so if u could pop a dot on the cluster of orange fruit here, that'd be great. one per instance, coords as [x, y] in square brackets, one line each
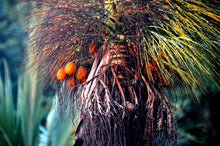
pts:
[92, 48]
[68, 72]
[156, 73]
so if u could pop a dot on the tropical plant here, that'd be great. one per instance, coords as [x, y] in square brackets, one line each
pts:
[132, 51]
[7, 111]
[57, 131]
[19, 124]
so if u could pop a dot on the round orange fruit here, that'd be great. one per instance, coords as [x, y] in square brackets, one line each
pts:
[70, 82]
[81, 73]
[70, 68]
[83, 80]
[92, 48]
[61, 74]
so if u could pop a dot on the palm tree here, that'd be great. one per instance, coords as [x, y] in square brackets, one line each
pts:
[140, 48]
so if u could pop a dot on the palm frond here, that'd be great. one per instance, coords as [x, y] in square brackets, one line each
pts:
[182, 37]
[189, 43]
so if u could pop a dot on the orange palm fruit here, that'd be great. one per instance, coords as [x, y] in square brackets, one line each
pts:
[148, 68]
[92, 48]
[81, 73]
[107, 81]
[120, 75]
[70, 68]
[70, 82]
[160, 53]
[61, 74]
[154, 63]
[83, 80]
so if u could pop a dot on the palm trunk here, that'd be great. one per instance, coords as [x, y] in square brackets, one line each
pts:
[121, 108]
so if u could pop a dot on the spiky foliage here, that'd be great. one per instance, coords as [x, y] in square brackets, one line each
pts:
[142, 47]
[57, 133]
[19, 124]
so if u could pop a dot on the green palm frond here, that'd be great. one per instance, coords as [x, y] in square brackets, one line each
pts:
[186, 40]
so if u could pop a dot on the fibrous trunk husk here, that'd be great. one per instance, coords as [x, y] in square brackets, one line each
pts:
[121, 108]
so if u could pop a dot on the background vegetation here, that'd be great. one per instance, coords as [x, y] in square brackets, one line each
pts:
[27, 116]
